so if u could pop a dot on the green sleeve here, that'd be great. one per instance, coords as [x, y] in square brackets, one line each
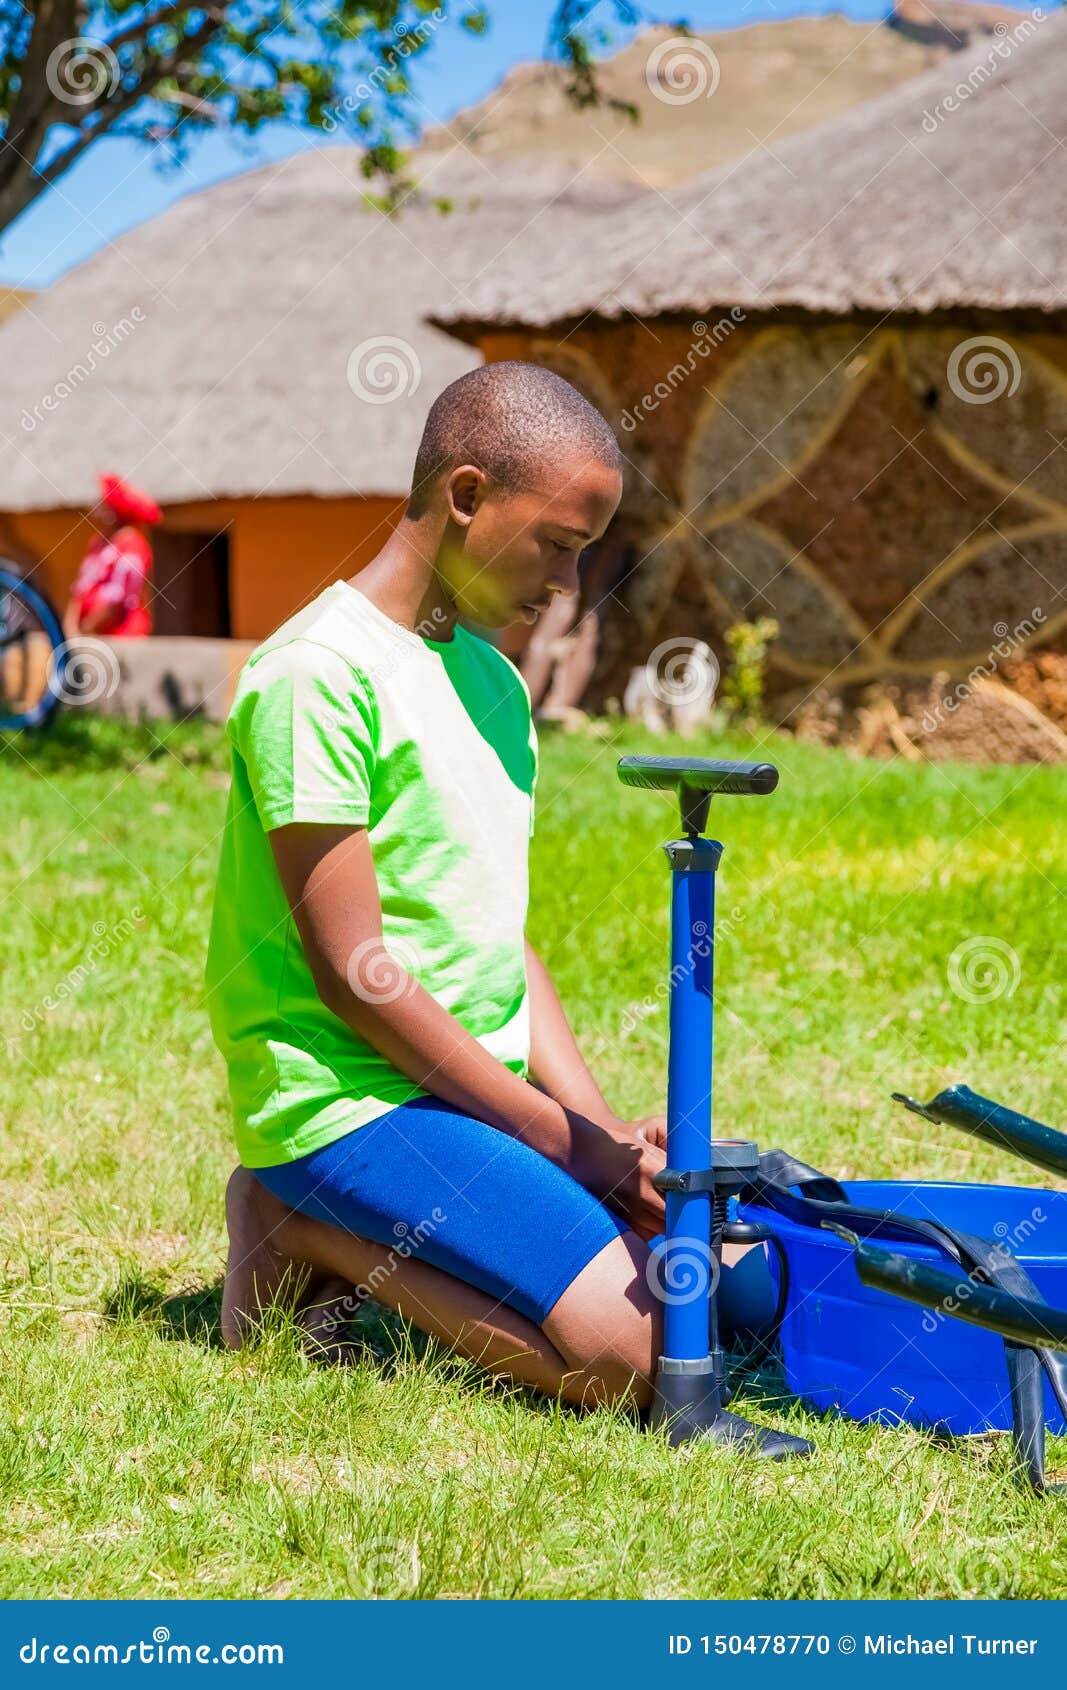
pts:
[307, 729]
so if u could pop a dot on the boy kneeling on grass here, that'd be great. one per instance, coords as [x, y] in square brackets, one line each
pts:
[412, 1110]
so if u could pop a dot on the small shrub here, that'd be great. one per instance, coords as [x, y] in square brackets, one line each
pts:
[743, 685]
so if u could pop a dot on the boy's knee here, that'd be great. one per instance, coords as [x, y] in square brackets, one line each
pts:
[615, 1375]
[610, 1329]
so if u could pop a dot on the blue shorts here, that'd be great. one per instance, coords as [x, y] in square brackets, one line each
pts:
[463, 1196]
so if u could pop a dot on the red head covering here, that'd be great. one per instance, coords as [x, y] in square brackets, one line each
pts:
[127, 502]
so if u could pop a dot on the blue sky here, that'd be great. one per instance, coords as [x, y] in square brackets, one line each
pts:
[119, 184]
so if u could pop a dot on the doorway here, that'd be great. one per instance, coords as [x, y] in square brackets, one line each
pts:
[190, 584]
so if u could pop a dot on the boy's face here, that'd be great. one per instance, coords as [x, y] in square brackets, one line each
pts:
[507, 553]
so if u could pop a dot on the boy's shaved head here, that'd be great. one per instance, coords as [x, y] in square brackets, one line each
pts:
[510, 420]
[517, 475]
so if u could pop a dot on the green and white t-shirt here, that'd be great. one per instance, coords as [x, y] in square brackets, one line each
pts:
[343, 716]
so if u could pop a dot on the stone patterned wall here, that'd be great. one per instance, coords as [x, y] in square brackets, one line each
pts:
[895, 496]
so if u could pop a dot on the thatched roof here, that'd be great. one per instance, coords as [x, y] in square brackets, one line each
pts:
[206, 354]
[946, 193]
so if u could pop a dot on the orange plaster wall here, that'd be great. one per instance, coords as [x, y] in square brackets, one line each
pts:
[497, 345]
[52, 541]
[282, 551]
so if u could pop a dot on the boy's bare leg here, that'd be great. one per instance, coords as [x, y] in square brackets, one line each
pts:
[599, 1342]
[323, 1317]
[259, 1276]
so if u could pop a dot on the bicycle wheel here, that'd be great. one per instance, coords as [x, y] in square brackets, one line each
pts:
[32, 654]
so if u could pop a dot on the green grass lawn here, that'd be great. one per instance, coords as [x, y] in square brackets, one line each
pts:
[137, 1457]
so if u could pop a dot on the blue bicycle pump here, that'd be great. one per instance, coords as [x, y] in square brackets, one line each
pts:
[697, 1184]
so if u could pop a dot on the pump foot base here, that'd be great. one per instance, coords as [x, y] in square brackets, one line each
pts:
[689, 1406]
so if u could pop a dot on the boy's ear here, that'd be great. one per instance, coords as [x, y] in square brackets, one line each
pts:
[465, 490]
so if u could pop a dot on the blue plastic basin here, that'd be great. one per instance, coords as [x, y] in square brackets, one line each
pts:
[875, 1357]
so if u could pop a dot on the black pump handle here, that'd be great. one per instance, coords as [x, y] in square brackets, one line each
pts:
[700, 774]
[697, 780]
[962, 1297]
[959, 1106]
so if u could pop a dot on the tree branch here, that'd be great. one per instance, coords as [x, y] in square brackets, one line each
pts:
[155, 68]
[54, 22]
[165, 15]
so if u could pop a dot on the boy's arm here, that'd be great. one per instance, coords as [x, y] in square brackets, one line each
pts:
[558, 1065]
[328, 876]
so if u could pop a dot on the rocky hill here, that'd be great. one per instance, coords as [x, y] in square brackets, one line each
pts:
[746, 87]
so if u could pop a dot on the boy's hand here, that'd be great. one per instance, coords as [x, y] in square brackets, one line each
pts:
[651, 1128]
[641, 1203]
[618, 1167]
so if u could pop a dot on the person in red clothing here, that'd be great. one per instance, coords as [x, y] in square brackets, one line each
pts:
[108, 594]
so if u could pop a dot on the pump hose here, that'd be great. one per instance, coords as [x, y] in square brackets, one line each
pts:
[759, 1346]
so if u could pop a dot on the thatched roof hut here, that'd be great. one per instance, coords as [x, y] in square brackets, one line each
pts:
[838, 369]
[258, 357]
[207, 352]
[944, 193]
